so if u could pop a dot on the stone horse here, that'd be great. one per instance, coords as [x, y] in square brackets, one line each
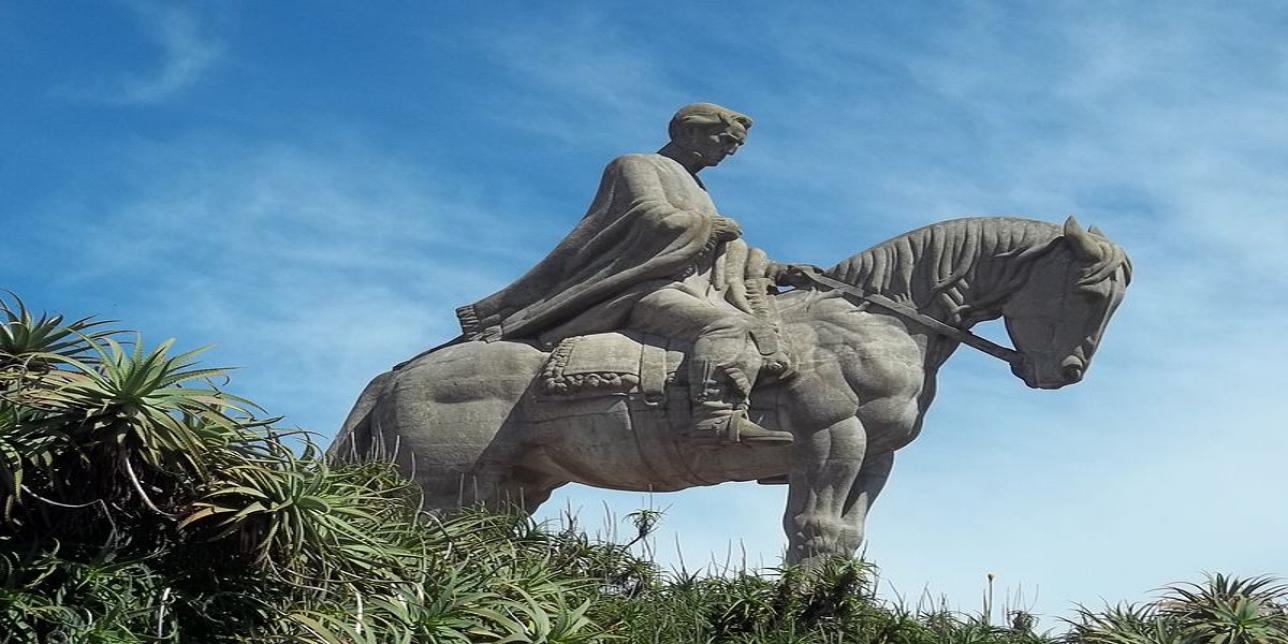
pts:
[494, 422]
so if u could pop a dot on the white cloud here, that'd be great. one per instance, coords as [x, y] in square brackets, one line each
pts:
[582, 81]
[1164, 129]
[316, 266]
[187, 51]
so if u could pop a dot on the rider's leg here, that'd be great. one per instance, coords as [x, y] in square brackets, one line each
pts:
[723, 364]
[722, 372]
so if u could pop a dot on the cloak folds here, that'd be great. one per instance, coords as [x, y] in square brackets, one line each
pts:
[649, 222]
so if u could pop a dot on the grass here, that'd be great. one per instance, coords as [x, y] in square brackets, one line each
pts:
[140, 502]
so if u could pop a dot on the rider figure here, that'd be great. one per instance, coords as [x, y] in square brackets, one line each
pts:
[652, 254]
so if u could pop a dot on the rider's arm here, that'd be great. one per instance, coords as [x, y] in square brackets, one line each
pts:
[653, 220]
[791, 274]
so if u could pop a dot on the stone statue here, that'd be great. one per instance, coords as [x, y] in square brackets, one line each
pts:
[652, 328]
[653, 255]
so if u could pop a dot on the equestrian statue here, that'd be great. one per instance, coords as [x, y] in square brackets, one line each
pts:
[654, 350]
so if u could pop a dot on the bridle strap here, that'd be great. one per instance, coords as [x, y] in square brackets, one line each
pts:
[1010, 356]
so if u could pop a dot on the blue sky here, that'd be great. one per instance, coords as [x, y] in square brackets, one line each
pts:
[312, 189]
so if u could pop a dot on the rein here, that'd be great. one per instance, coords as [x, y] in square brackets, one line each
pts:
[1010, 356]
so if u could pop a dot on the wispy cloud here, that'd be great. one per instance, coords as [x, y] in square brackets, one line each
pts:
[585, 80]
[330, 261]
[319, 263]
[1163, 129]
[187, 50]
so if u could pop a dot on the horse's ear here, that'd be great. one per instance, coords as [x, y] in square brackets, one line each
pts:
[1082, 244]
[1095, 230]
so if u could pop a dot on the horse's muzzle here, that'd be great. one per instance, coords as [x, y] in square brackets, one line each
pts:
[1071, 371]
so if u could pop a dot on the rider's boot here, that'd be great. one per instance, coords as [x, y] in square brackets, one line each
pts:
[728, 425]
[717, 418]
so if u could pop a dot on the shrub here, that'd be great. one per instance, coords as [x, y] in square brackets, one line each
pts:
[140, 502]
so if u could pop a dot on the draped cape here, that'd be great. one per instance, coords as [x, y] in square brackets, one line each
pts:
[650, 222]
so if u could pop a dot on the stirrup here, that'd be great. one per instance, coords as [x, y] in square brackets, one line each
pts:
[737, 428]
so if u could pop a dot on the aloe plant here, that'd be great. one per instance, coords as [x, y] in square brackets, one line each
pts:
[140, 502]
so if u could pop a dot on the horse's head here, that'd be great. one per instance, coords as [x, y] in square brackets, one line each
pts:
[1056, 319]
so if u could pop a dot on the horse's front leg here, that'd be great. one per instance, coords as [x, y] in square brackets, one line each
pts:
[871, 480]
[825, 466]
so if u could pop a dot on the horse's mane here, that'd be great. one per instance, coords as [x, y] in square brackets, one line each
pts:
[935, 265]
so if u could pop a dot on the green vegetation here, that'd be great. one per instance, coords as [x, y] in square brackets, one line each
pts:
[141, 503]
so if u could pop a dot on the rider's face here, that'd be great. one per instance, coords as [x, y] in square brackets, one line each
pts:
[715, 145]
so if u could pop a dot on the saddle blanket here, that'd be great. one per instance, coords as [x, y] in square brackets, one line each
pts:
[611, 363]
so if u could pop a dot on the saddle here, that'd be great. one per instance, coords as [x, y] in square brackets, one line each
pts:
[606, 364]
[640, 375]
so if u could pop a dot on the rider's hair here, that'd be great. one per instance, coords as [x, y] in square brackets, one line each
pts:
[705, 115]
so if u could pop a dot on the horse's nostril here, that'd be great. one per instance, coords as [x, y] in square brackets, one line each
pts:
[1072, 373]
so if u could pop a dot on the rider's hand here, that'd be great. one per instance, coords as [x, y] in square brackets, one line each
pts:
[726, 229]
[794, 275]
[780, 366]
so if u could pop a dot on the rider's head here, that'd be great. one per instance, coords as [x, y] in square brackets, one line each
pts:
[707, 133]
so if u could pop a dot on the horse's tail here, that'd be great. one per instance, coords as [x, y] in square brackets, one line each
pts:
[355, 441]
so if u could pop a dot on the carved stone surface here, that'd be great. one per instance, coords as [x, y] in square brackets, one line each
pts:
[694, 369]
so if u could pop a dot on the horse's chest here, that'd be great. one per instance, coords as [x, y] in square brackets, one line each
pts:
[864, 366]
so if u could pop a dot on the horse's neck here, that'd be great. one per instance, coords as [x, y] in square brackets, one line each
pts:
[960, 275]
[961, 304]
[959, 278]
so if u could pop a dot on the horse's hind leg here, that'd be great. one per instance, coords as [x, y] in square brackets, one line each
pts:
[502, 490]
[518, 491]
[500, 487]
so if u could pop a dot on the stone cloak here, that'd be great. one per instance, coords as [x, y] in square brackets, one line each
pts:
[650, 222]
